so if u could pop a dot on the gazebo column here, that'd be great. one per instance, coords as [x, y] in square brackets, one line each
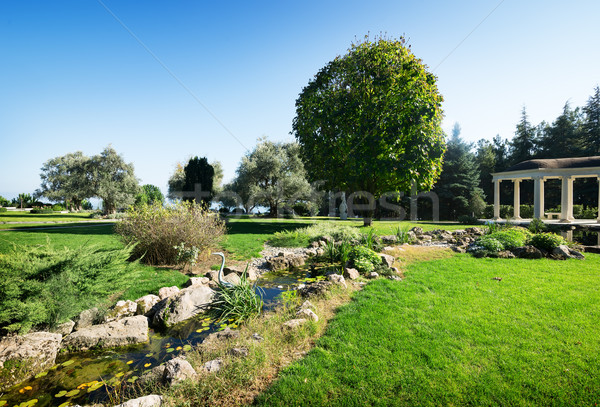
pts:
[517, 199]
[538, 197]
[566, 200]
[497, 199]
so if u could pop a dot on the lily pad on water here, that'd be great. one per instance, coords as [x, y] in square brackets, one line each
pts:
[132, 379]
[29, 403]
[95, 387]
[2, 402]
[73, 392]
[119, 374]
[61, 393]
[201, 330]
[149, 354]
[170, 350]
[178, 348]
[129, 362]
[187, 348]
[67, 363]
[65, 404]
[148, 364]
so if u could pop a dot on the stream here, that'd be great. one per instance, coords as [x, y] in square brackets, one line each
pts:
[95, 377]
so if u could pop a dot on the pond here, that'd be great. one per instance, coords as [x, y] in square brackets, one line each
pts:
[95, 377]
[584, 236]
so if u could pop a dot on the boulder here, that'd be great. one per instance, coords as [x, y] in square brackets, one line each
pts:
[166, 292]
[389, 239]
[185, 304]
[146, 304]
[351, 273]
[196, 281]
[277, 263]
[152, 400]
[212, 366]
[387, 259]
[294, 324]
[126, 331]
[223, 335]
[307, 314]
[296, 260]
[373, 274]
[65, 328]
[86, 318]
[27, 355]
[459, 249]
[239, 352]
[475, 231]
[417, 230]
[505, 254]
[314, 289]
[178, 370]
[564, 252]
[286, 261]
[250, 272]
[307, 305]
[121, 310]
[232, 278]
[337, 279]
[528, 252]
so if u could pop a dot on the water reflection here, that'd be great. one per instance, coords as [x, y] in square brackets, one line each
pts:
[585, 237]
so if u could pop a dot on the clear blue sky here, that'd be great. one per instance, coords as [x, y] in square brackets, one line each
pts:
[73, 78]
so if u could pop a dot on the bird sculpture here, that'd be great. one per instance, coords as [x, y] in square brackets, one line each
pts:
[220, 275]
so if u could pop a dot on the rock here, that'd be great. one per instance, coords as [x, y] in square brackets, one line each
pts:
[395, 270]
[296, 261]
[307, 314]
[387, 259]
[412, 236]
[285, 261]
[417, 230]
[239, 352]
[293, 324]
[307, 305]
[212, 366]
[250, 272]
[257, 337]
[86, 318]
[389, 239]
[277, 263]
[35, 351]
[505, 254]
[183, 305]
[232, 278]
[352, 274]
[459, 232]
[196, 281]
[373, 274]
[564, 252]
[528, 252]
[166, 292]
[146, 304]
[65, 328]
[314, 289]
[152, 400]
[576, 254]
[337, 279]
[459, 249]
[153, 377]
[223, 335]
[395, 278]
[126, 331]
[178, 370]
[475, 231]
[121, 310]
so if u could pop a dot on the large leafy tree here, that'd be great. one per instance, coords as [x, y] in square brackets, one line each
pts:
[272, 175]
[66, 178]
[149, 194]
[458, 186]
[113, 180]
[370, 121]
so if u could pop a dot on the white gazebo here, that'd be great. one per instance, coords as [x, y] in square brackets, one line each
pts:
[565, 169]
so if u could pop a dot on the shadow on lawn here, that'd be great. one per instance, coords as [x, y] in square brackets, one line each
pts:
[257, 227]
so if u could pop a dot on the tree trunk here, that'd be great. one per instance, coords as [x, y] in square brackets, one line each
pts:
[367, 221]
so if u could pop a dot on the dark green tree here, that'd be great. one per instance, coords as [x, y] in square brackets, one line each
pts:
[458, 186]
[198, 180]
[523, 144]
[564, 137]
[485, 157]
[591, 124]
[370, 121]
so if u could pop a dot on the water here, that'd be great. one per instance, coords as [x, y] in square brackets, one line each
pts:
[92, 377]
[585, 237]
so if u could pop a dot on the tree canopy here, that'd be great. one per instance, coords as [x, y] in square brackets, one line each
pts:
[67, 179]
[370, 121]
[149, 195]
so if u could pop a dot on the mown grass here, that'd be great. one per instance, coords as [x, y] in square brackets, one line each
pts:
[20, 216]
[451, 334]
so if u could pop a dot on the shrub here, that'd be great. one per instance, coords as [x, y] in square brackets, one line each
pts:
[237, 303]
[468, 220]
[512, 237]
[58, 207]
[536, 226]
[332, 230]
[369, 239]
[3, 209]
[364, 259]
[489, 244]
[158, 230]
[546, 241]
[41, 210]
[290, 238]
[42, 286]
[403, 235]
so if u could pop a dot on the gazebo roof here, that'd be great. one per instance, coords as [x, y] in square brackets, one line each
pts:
[556, 163]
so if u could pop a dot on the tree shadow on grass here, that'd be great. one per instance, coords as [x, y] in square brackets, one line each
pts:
[257, 227]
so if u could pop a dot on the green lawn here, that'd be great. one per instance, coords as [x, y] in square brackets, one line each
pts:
[43, 217]
[449, 334]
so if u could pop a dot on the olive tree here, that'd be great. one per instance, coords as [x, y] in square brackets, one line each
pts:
[370, 121]
[66, 178]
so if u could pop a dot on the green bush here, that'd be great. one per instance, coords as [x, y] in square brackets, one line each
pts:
[536, 226]
[41, 210]
[3, 209]
[289, 238]
[332, 230]
[157, 231]
[547, 241]
[511, 237]
[489, 243]
[58, 207]
[41, 286]
[468, 220]
[364, 259]
[237, 303]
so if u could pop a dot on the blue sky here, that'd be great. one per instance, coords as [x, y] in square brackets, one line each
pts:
[73, 77]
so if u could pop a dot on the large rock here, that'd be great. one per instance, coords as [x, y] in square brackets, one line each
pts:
[126, 331]
[87, 318]
[528, 252]
[152, 400]
[337, 279]
[232, 278]
[212, 366]
[564, 252]
[145, 304]
[251, 273]
[196, 281]
[315, 289]
[178, 370]
[65, 328]
[286, 261]
[351, 273]
[166, 292]
[387, 260]
[121, 310]
[307, 314]
[389, 239]
[185, 304]
[28, 355]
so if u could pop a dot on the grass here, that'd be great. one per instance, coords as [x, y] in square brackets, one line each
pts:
[43, 217]
[450, 334]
